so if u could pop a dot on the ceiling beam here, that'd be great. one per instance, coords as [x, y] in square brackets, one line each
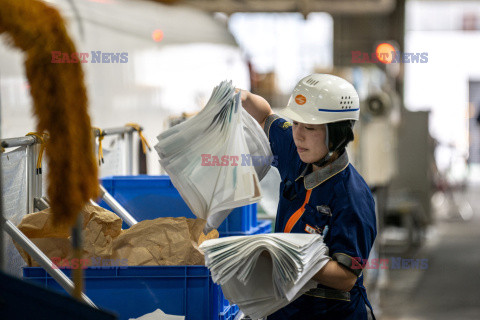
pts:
[350, 7]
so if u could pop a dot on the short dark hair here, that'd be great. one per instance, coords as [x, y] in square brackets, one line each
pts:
[339, 135]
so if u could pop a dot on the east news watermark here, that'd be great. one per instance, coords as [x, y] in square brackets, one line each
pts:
[386, 53]
[95, 262]
[209, 160]
[391, 263]
[392, 57]
[89, 57]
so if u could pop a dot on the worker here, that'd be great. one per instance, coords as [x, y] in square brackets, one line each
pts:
[321, 192]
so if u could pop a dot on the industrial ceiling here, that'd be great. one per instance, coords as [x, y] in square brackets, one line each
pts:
[351, 7]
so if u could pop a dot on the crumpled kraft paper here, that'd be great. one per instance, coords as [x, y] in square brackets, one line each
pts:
[100, 228]
[162, 241]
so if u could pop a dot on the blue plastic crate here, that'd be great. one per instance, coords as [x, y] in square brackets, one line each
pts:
[264, 226]
[150, 197]
[23, 300]
[134, 291]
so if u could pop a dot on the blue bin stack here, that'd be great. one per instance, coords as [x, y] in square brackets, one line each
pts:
[149, 197]
[181, 290]
[131, 292]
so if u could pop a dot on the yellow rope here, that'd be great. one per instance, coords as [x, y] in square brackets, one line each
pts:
[140, 134]
[101, 135]
[41, 139]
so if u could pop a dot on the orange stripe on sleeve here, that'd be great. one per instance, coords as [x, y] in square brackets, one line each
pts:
[298, 214]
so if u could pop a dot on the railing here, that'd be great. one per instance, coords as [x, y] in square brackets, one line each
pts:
[35, 201]
[34, 181]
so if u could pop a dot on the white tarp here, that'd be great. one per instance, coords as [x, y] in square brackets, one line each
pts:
[113, 156]
[14, 195]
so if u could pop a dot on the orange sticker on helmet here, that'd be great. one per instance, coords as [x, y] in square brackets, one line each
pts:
[299, 99]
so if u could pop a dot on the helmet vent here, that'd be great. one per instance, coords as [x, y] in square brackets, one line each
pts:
[312, 82]
[346, 102]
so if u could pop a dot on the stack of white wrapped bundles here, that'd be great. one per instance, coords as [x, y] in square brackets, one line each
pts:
[263, 273]
[217, 158]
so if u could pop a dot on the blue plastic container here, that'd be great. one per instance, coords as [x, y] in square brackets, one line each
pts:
[150, 197]
[264, 226]
[134, 291]
[23, 300]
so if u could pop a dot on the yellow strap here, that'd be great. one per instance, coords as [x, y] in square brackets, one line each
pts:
[140, 134]
[101, 135]
[41, 138]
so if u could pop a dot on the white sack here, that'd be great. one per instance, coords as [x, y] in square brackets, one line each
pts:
[222, 129]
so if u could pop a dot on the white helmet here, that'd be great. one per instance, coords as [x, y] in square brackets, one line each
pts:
[322, 98]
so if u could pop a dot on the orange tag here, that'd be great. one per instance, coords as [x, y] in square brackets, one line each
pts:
[299, 99]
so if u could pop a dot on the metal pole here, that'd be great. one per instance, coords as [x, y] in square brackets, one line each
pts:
[2, 251]
[18, 142]
[31, 166]
[41, 203]
[77, 254]
[129, 151]
[119, 130]
[42, 260]
[2, 222]
[113, 131]
[117, 207]
[128, 132]
[29, 140]
[37, 177]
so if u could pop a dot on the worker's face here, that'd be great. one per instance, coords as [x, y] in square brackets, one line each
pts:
[310, 141]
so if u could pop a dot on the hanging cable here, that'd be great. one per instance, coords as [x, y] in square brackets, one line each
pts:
[142, 137]
[101, 135]
[41, 139]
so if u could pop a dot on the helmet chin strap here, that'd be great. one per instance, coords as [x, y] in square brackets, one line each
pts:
[328, 156]
[324, 160]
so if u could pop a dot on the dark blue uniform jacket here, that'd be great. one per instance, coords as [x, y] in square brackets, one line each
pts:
[334, 201]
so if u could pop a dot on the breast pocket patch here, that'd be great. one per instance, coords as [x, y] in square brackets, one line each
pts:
[310, 229]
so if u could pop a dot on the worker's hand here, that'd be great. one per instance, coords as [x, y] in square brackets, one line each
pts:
[243, 94]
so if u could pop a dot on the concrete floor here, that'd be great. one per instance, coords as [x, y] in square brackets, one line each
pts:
[448, 288]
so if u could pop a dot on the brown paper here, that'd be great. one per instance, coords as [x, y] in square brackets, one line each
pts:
[211, 235]
[52, 247]
[162, 241]
[100, 228]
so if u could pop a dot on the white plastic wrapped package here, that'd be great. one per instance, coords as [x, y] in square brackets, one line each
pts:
[262, 284]
[217, 158]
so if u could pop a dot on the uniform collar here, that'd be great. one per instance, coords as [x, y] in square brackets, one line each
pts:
[316, 178]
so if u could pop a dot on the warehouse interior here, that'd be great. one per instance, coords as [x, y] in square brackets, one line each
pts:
[127, 74]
